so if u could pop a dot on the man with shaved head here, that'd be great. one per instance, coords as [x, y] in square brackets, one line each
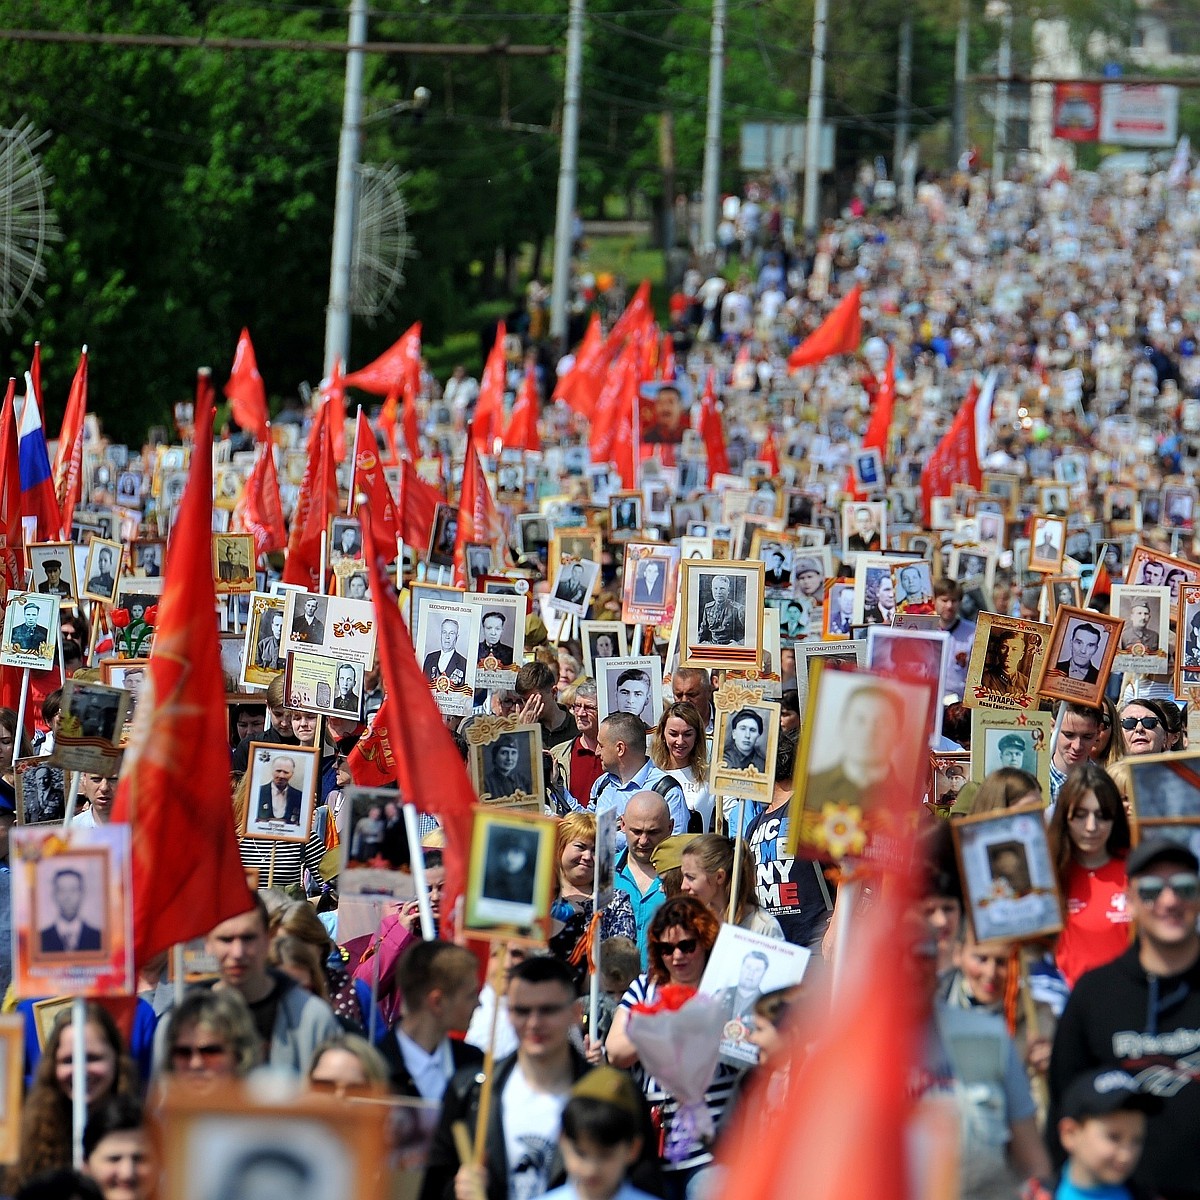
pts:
[647, 823]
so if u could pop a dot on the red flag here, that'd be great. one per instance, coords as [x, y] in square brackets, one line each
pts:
[625, 453]
[878, 427]
[397, 369]
[428, 767]
[522, 431]
[368, 479]
[954, 459]
[478, 520]
[580, 387]
[666, 359]
[839, 333]
[260, 508]
[12, 572]
[412, 433]
[712, 430]
[387, 422]
[489, 408]
[636, 317]
[317, 503]
[417, 508]
[371, 762]
[623, 377]
[246, 391]
[768, 453]
[35, 373]
[174, 787]
[335, 392]
[68, 458]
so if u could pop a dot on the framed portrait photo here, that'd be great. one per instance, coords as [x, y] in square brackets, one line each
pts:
[651, 584]
[447, 641]
[442, 536]
[722, 614]
[838, 617]
[321, 683]
[1046, 540]
[72, 910]
[745, 739]
[233, 562]
[630, 685]
[373, 836]
[282, 796]
[602, 639]
[345, 540]
[1011, 739]
[512, 867]
[53, 567]
[834, 814]
[1006, 661]
[102, 570]
[1187, 643]
[1145, 633]
[1059, 590]
[505, 761]
[1008, 877]
[838, 656]
[912, 586]
[510, 479]
[1164, 791]
[128, 674]
[478, 557]
[864, 527]
[576, 541]
[226, 1142]
[1151, 568]
[91, 718]
[1079, 658]
[572, 586]
[533, 535]
[948, 774]
[624, 515]
[265, 651]
[41, 791]
[30, 636]
[501, 648]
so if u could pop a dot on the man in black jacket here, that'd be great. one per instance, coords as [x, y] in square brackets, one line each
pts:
[440, 985]
[1141, 1013]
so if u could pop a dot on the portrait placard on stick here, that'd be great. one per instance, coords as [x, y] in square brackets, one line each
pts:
[505, 761]
[1006, 660]
[282, 792]
[30, 631]
[89, 729]
[72, 911]
[745, 740]
[1082, 647]
[1011, 739]
[512, 868]
[1145, 634]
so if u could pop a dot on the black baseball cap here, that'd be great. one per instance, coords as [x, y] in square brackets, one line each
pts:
[1155, 850]
[1106, 1090]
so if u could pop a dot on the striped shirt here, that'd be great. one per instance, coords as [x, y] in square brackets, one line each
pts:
[290, 859]
[717, 1097]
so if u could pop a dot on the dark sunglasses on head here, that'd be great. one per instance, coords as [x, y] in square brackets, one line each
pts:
[1144, 722]
[685, 946]
[1185, 885]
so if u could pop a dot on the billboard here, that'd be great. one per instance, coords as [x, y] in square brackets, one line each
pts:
[1077, 112]
[1139, 115]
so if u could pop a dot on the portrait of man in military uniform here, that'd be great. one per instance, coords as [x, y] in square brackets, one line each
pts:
[723, 611]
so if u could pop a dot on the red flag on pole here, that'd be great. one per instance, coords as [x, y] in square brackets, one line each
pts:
[625, 453]
[417, 509]
[387, 422]
[489, 408]
[260, 508]
[636, 317]
[246, 392]
[428, 767]
[335, 392]
[174, 788]
[317, 503]
[768, 452]
[12, 574]
[623, 375]
[478, 520]
[397, 369]
[522, 431]
[839, 333]
[35, 373]
[712, 430]
[412, 432]
[954, 459]
[666, 359]
[68, 458]
[878, 427]
[580, 387]
[371, 762]
[368, 479]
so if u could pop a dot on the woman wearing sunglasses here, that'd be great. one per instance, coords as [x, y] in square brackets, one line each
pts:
[681, 938]
[1143, 728]
[1089, 837]
[211, 1037]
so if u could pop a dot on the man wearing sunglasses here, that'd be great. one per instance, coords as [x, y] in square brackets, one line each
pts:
[1141, 1013]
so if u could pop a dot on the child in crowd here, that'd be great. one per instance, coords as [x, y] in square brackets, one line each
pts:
[1102, 1128]
[601, 1138]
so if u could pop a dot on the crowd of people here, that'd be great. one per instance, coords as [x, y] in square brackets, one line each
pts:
[1069, 1058]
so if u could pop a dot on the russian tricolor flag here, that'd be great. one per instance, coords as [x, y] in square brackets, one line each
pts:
[39, 505]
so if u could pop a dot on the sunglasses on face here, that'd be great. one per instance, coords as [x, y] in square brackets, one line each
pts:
[685, 947]
[185, 1054]
[1144, 722]
[1185, 885]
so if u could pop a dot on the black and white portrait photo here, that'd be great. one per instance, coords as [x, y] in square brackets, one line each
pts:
[509, 866]
[443, 536]
[91, 710]
[279, 803]
[506, 766]
[629, 685]
[571, 589]
[53, 569]
[103, 570]
[41, 792]
[345, 539]
[233, 562]
[308, 620]
[479, 560]
[447, 639]
[69, 905]
[30, 630]
[624, 514]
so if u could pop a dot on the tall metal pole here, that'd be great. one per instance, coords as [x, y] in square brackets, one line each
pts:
[816, 114]
[961, 46]
[711, 184]
[337, 314]
[1004, 70]
[903, 92]
[567, 161]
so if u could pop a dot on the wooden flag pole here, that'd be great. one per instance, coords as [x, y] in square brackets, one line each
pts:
[734, 889]
[489, 1072]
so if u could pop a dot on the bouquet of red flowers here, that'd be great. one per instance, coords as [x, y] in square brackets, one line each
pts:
[678, 1039]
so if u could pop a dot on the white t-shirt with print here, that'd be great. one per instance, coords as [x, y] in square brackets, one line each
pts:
[531, 1127]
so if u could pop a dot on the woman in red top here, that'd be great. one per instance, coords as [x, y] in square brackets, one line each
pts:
[1089, 837]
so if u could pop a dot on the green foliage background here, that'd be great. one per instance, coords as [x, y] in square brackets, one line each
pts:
[195, 188]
